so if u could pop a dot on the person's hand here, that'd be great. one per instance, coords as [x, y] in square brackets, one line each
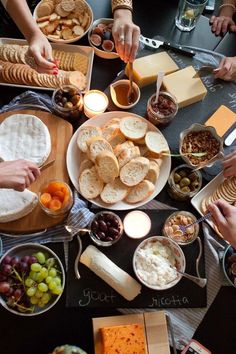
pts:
[41, 50]
[229, 165]
[222, 24]
[224, 216]
[18, 174]
[126, 35]
[227, 69]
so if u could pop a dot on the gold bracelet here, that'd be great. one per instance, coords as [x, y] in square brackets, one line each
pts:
[121, 4]
[228, 5]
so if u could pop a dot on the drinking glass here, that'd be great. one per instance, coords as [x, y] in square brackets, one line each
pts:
[188, 13]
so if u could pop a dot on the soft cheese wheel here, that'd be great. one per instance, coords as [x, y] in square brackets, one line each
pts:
[108, 271]
[133, 128]
[85, 134]
[114, 192]
[134, 171]
[90, 184]
[14, 205]
[24, 136]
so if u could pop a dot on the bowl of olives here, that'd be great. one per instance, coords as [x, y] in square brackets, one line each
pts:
[106, 228]
[184, 182]
[67, 102]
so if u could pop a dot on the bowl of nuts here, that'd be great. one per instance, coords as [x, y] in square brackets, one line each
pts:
[200, 146]
[106, 228]
[172, 229]
[67, 102]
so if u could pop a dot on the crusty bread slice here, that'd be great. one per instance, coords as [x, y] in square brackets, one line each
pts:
[96, 145]
[126, 145]
[107, 166]
[110, 127]
[153, 172]
[140, 141]
[133, 128]
[128, 154]
[143, 150]
[140, 192]
[116, 138]
[90, 184]
[85, 164]
[85, 134]
[134, 171]
[156, 143]
[114, 192]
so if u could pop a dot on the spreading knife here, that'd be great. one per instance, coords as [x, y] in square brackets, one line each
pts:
[46, 165]
[204, 71]
[154, 43]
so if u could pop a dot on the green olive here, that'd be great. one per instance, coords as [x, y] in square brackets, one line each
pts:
[177, 177]
[184, 182]
[195, 184]
[75, 99]
[68, 105]
[185, 189]
[182, 173]
[177, 186]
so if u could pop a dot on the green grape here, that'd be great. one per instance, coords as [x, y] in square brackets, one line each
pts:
[35, 267]
[38, 294]
[48, 279]
[40, 303]
[52, 272]
[52, 285]
[50, 262]
[34, 300]
[57, 280]
[43, 287]
[39, 277]
[29, 282]
[33, 275]
[40, 257]
[57, 290]
[31, 291]
[44, 272]
[46, 298]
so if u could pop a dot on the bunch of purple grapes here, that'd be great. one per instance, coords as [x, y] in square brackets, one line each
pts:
[13, 271]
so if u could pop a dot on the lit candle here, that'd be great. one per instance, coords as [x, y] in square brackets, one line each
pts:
[137, 224]
[95, 102]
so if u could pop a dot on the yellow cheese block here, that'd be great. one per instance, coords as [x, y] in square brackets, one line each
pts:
[145, 69]
[184, 87]
[222, 120]
[126, 339]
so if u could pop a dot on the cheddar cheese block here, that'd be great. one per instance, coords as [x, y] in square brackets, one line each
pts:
[145, 69]
[221, 120]
[184, 87]
[126, 339]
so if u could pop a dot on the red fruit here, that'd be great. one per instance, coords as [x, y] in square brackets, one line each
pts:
[98, 31]
[96, 40]
[107, 45]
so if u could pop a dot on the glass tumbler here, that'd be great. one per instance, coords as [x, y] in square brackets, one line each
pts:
[188, 13]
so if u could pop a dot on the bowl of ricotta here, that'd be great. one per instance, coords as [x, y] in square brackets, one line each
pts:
[156, 261]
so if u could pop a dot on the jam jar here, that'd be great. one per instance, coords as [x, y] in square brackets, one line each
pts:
[67, 102]
[164, 110]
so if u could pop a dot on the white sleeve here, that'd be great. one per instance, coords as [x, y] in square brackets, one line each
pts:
[4, 2]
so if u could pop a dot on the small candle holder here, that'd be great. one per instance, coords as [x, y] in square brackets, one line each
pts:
[137, 224]
[95, 103]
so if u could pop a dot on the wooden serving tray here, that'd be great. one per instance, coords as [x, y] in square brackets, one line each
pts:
[60, 132]
[155, 327]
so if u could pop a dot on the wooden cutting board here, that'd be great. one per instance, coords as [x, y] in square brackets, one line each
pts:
[60, 132]
[155, 328]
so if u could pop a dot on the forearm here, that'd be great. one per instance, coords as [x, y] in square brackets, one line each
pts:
[227, 8]
[122, 13]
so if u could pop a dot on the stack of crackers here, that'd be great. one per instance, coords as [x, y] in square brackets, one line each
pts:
[63, 20]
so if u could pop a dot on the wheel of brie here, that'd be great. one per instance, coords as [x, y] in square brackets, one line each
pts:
[24, 136]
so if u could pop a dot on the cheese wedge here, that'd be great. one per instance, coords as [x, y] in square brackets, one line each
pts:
[108, 271]
[221, 120]
[184, 87]
[126, 339]
[24, 136]
[14, 205]
[145, 69]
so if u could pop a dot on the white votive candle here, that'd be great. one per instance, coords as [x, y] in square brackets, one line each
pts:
[137, 224]
[95, 102]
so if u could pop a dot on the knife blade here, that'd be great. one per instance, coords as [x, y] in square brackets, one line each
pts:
[46, 165]
[155, 44]
[230, 138]
[204, 71]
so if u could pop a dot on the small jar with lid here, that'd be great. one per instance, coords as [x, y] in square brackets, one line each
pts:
[184, 182]
[67, 102]
[164, 110]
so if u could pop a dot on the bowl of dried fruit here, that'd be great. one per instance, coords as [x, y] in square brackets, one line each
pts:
[64, 21]
[32, 279]
[101, 39]
[200, 146]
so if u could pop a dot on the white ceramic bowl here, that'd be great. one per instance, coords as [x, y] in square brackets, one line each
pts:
[100, 52]
[75, 39]
[176, 251]
[127, 83]
[28, 249]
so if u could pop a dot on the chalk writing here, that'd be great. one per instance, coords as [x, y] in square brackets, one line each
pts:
[178, 60]
[172, 301]
[232, 101]
[90, 295]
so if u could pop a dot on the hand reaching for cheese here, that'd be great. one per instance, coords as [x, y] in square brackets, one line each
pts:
[18, 174]
[227, 69]
[229, 165]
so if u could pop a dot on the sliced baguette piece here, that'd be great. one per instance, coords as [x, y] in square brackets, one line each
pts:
[107, 166]
[143, 150]
[85, 134]
[128, 154]
[120, 147]
[96, 145]
[114, 192]
[153, 172]
[90, 184]
[133, 128]
[110, 127]
[116, 138]
[134, 171]
[156, 144]
[140, 192]
[85, 164]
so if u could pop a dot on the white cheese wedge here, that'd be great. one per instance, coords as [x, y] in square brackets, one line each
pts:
[14, 205]
[24, 136]
[108, 271]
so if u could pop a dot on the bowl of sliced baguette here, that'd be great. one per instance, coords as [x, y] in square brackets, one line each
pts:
[115, 160]
[64, 21]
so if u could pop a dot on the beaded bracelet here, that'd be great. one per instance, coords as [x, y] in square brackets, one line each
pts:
[121, 4]
[228, 5]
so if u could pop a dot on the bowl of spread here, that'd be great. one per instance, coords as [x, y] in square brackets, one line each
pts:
[119, 94]
[162, 111]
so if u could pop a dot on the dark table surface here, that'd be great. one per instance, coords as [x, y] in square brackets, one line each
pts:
[40, 334]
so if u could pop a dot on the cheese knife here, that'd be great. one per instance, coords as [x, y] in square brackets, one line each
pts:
[230, 138]
[205, 70]
[46, 165]
[154, 43]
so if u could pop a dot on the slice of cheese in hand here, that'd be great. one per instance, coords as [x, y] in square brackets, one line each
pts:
[14, 205]
[145, 69]
[108, 271]
[184, 87]
[24, 136]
